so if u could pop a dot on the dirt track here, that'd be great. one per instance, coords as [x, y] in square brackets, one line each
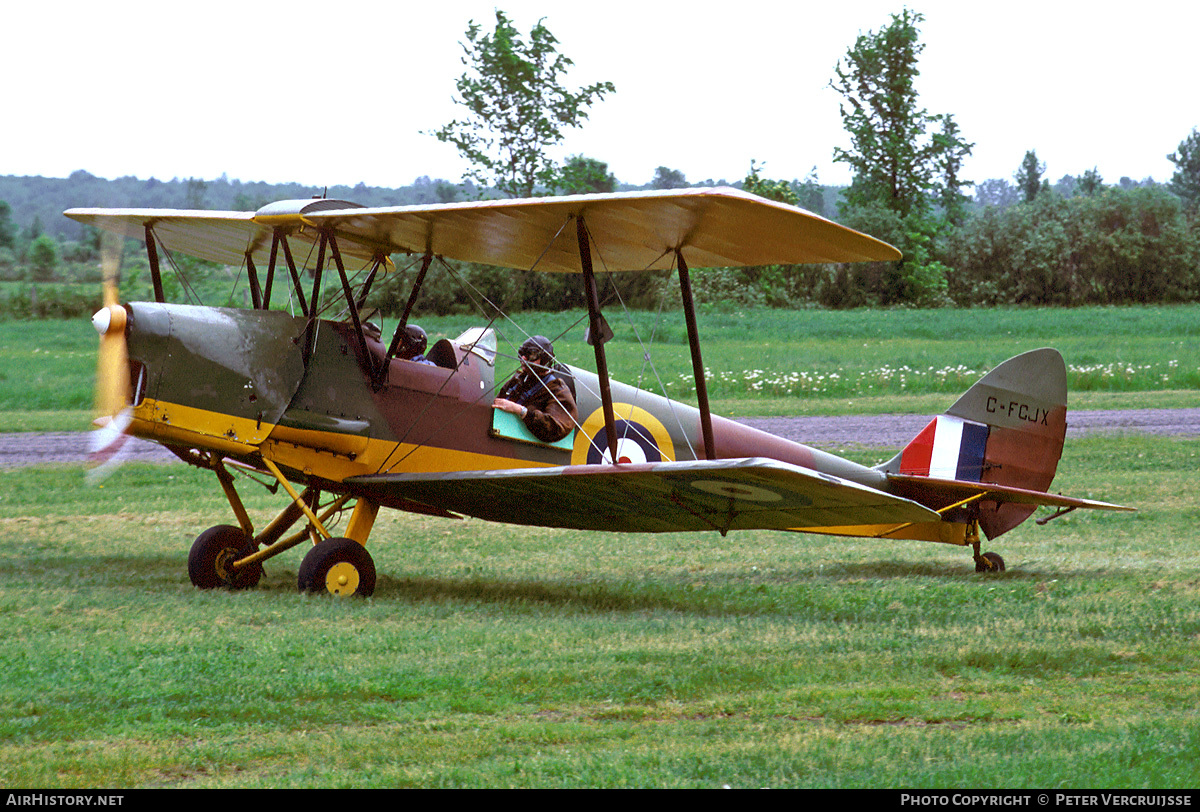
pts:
[893, 431]
[884, 431]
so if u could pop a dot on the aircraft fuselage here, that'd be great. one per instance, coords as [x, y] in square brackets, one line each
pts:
[239, 383]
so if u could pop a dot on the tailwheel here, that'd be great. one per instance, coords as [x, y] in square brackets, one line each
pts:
[338, 566]
[210, 562]
[989, 562]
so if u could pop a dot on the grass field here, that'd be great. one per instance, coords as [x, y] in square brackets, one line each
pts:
[493, 656]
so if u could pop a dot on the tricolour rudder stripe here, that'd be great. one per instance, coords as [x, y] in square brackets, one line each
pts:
[948, 448]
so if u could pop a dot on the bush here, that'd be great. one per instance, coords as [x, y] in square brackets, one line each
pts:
[1120, 246]
[49, 302]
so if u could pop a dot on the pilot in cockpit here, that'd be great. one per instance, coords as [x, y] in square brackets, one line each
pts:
[538, 395]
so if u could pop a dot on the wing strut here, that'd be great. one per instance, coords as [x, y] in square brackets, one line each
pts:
[689, 313]
[596, 336]
[310, 332]
[402, 326]
[271, 270]
[252, 275]
[291, 263]
[376, 264]
[352, 306]
[152, 255]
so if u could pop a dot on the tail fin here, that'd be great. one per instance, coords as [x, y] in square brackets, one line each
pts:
[1007, 429]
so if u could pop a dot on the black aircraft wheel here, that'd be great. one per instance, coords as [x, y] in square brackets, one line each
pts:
[989, 562]
[338, 566]
[214, 551]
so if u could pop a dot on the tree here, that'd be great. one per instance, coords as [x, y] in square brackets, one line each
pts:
[810, 194]
[1186, 180]
[666, 178]
[196, 190]
[517, 106]
[807, 194]
[1029, 176]
[779, 190]
[996, 192]
[948, 153]
[899, 170]
[1091, 183]
[1123, 246]
[581, 176]
[43, 258]
[892, 160]
[8, 232]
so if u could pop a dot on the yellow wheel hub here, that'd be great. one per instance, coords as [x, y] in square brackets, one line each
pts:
[342, 579]
[221, 565]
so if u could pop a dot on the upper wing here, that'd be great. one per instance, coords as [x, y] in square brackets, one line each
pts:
[731, 494]
[221, 236]
[633, 231]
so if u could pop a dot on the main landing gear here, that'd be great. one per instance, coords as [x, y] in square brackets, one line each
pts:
[231, 556]
[987, 562]
[210, 563]
[338, 566]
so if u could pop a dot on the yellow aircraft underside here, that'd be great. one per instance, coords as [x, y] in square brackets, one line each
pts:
[941, 532]
[329, 455]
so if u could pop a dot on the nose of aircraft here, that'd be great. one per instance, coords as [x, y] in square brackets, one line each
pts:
[111, 318]
[112, 368]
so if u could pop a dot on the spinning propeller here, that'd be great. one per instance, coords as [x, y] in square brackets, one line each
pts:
[112, 370]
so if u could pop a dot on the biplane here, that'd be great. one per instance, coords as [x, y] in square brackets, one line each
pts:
[315, 399]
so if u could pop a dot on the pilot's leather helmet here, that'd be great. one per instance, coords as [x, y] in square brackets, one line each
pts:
[538, 348]
[415, 340]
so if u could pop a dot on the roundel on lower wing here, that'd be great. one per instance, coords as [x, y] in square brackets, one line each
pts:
[640, 438]
[736, 490]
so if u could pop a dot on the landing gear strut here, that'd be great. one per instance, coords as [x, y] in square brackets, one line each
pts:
[987, 562]
[231, 556]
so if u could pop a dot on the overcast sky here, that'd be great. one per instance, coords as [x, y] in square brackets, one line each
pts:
[328, 93]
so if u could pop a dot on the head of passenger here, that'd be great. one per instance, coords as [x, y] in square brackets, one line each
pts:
[415, 341]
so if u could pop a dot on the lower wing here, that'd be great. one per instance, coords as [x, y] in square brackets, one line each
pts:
[722, 495]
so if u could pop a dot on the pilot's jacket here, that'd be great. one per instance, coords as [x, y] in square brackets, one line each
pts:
[551, 408]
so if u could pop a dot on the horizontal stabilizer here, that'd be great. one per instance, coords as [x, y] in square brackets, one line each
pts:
[722, 495]
[952, 491]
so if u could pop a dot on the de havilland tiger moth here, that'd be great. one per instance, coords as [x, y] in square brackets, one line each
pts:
[345, 418]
